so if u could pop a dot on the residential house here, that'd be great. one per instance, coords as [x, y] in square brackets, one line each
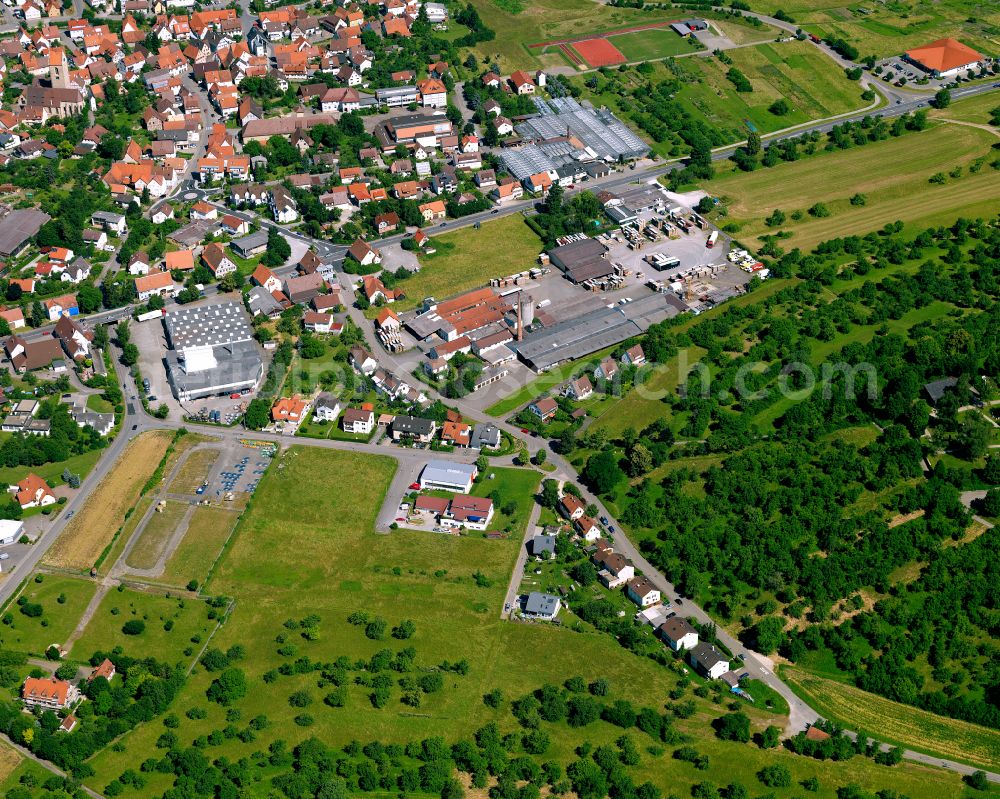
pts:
[283, 205]
[74, 339]
[362, 252]
[458, 434]
[262, 276]
[571, 506]
[290, 409]
[642, 591]
[614, 569]
[316, 322]
[579, 388]
[485, 436]
[413, 428]
[215, 258]
[433, 211]
[138, 264]
[160, 284]
[358, 420]
[543, 546]
[544, 408]
[522, 82]
[634, 356]
[474, 513]
[33, 492]
[677, 633]
[326, 408]
[587, 528]
[606, 369]
[708, 661]
[302, 288]
[49, 693]
[362, 360]
[541, 606]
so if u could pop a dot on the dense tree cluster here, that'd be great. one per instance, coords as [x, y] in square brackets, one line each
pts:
[141, 691]
[779, 495]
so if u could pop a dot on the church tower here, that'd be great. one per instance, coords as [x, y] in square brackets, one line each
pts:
[58, 69]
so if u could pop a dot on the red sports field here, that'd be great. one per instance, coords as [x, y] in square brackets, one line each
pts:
[594, 49]
[599, 52]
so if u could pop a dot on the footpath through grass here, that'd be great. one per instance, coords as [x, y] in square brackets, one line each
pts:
[897, 723]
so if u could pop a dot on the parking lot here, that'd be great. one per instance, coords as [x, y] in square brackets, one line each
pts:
[238, 469]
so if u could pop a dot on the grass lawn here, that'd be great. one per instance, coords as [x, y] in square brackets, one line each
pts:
[10, 762]
[544, 20]
[889, 29]
[467, 259]
[544, 382]
[290, 559]
[972, 109]
[202, 543]
[871, 170]
[187, 619]
[34, 635]
[651, 44]
[93, 528]
[97, 403]
[14, 768]
[644, 403]
[153, 539]
[51, 473]
[517, 486]
[796, 71]
[897, 723]
[311, 429]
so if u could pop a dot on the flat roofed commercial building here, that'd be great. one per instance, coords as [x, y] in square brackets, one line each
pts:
[213, 351]
[18, 227]
[589, 332]
[448, 476]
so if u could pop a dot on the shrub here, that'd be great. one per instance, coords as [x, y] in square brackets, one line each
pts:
[134, 627]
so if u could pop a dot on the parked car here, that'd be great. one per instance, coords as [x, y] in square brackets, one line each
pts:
[414, 486]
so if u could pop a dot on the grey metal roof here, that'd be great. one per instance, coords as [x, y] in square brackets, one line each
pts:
[485, 435]
[252, 241]
[542, 544]
[19, 226]
[239, 366]
[446, 472]
[587, 333]
[261, 301]
[208, 326]
[539, 604]
[600, 130]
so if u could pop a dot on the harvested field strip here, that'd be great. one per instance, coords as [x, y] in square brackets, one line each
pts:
[123, 538]
[897, 723]
[9, 760]
[93, 528]
[153, 539]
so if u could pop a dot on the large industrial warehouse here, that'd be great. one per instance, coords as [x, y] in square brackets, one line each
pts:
[213, 351]
[603, 327]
